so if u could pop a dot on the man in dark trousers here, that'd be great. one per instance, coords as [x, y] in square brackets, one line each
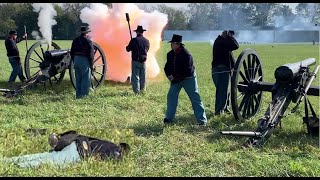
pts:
[14, 57]
[222, 65]
[82, 53]
[180, 70]
[139, 48]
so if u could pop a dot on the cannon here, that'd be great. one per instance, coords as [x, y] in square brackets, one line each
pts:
[49, 63]
[292, 85]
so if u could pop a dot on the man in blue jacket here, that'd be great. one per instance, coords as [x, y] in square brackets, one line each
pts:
[222, 65]
[139, 47]
[14, 57]
[180, 71]
[82, 53]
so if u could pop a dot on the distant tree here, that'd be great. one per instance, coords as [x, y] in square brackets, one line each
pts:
[202, 16]
[62, 29]
[5, 26]
[309, 12]
[71, 15]
[235, 16]
[108, 4]
[177, 19]
[261, 13]
[282, 12]
[6, 21]
[146, 7]
[25, 16]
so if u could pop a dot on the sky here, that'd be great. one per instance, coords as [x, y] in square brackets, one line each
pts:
[184, 5]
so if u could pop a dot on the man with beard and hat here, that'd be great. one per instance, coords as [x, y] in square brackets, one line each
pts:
[14, 57]
[180, 70]
[139, 47]
[82, 53]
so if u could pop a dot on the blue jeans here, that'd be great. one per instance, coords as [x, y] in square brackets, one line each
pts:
[138, 76]
[190, 85]
[68, 154]
[16, 70]
[83, 76]
[221, 79]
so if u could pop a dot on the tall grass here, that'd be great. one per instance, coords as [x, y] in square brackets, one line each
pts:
[113, 112]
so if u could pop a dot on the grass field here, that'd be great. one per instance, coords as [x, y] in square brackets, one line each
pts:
[113, 112]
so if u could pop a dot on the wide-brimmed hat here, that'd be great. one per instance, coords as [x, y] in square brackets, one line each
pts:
[13, 33]
[139, 29]
[176, 39]
[84, 29]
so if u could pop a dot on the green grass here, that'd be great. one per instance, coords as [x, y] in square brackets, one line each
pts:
[113, 112]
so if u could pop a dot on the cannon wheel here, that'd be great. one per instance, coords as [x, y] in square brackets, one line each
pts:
[35, 56]
[245, 95]
[100, 67]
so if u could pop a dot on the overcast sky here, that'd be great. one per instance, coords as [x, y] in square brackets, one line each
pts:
[184, 5]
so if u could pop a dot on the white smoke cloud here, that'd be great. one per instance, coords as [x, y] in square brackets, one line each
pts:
[45, 20]
[35, 34]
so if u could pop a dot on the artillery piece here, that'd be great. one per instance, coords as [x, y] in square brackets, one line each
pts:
[44, 63]
[293, 84]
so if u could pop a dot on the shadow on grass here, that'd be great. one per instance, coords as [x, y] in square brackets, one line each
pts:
[148, 130]
[120, 93]
[115, 83]
[54, 93]
[5, 84]
[47, 92]
[220, 123]
[287, 138]
[280, 138]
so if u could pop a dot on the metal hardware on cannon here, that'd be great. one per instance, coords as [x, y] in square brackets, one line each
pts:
[293, 84]
[43, 65]
[55, 62]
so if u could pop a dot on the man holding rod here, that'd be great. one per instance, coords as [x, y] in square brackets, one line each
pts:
[139, 47]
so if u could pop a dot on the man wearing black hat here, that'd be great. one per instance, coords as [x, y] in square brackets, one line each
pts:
[14, 57]
[180, 70]
[82, 53]
[222, 64]
[139, 47]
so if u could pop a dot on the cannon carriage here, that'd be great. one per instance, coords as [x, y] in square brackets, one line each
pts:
[293, 85]
[49, 63]
[59, 61]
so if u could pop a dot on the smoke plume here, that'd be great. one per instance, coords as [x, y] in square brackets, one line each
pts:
[109, 28]
[45, 20]
[285, 28]
[35, 34]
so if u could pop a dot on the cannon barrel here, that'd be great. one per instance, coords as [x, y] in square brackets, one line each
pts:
[55, 55]
[287, 72]
[57, 52]
[242, 133]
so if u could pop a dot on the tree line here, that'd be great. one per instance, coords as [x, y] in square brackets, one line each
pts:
[197, 16]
